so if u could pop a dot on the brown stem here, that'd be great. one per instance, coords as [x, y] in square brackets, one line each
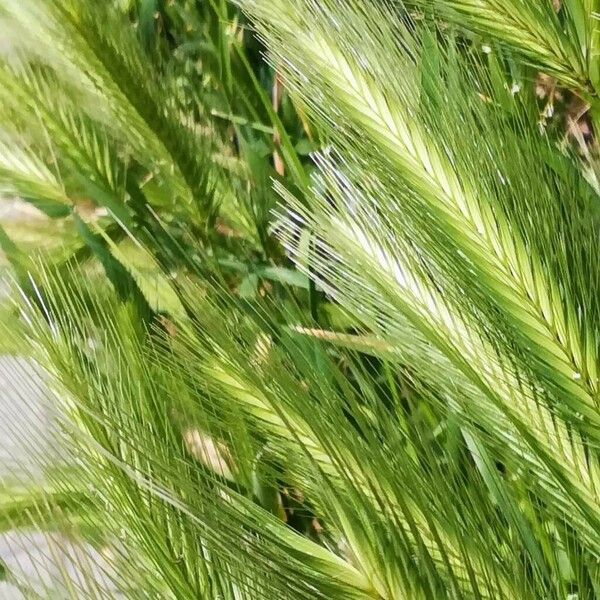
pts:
[276, 97]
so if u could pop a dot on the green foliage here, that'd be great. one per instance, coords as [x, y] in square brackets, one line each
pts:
[331, 328]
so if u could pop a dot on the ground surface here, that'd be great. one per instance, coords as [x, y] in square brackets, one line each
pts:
[26, 447]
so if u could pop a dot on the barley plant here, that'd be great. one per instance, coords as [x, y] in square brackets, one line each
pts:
[315, 311]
